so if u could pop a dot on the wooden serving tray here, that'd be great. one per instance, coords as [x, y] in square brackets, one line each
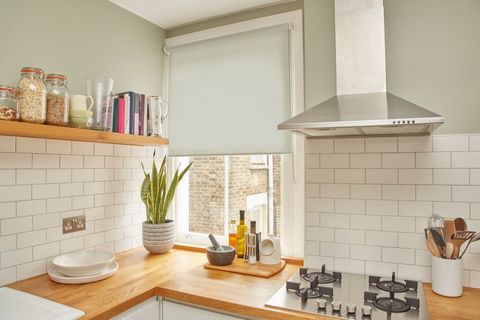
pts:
[257, 270]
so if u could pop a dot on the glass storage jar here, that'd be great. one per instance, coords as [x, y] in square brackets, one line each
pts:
[58, 100]
[32, 95]
[8, 103]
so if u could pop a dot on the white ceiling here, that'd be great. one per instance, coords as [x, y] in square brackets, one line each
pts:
[170, 13]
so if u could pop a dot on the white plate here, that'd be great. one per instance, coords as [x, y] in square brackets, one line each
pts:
[56, 276]
[83, 263]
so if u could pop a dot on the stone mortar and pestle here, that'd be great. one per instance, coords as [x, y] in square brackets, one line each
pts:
[219, 255]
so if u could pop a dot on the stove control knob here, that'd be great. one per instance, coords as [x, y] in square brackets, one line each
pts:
[321, 303]
[351, 308]
[367, 311]
[336, 305]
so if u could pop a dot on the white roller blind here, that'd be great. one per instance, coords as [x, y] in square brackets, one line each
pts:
[227, 94]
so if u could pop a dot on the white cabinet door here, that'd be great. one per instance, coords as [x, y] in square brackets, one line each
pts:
[177, 311]
[147, 310]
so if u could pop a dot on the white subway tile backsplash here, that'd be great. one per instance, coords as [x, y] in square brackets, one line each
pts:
[365, 222]
[7, 177]
[120, 150]
[59, 147]
[59, 204]
[349, 206]
[399, 224]
[31, 269]
[318, 234]
[7, 144]
[349, 176]
[434, 193]
[45, 161]
[15, 193]
[8, 243]
[334, 250]
[349, 265]
[475, 176]
[104, 174]
[30, 145]
[312, 219]
[81, 175]
[45, 191]
[15, 225]
[72, 244]
[55, 234]
[94, 162]
[83, 202]
[382, 176]
[8, 210]
[319, 146]
[94, 239]
[415, 144]
[117, 234]
[335, 190]
[367, 191]
[411, 240]
[115, 162]
[312, 160]
[68, 161]
[381, 238]
[466, 193]
[465, 159]
[433, 160]
[382, 207]
[12, 258]
[319, 175]
[122, 245]
[31, 207]
[423, 258]
[46, 250]
[15, 160]
[334, 161]
[475, 142]
[29, 176]
[380, 268]
[398, 160]
[327, 220]
[30, 239]
[353, 145]
[311, 190]
[383, 144]
[350, 236]
[452, 209]
[451, 176]
[412, 272]
[366, 253]
[103, 149]
[398, 192]
[366, 160]
[85, 148]
[71, 189]
[450, 143]
[415, 176]
[8, 275]
[398, 255]
[415, 208]
[58, 176]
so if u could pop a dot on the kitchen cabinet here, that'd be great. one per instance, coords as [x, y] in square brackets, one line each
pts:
[147, 310]
[174, 311]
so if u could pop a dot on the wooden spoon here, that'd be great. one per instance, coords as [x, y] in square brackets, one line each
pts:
[458, 239]
[449, 230]
[460, 224]
[432, 247]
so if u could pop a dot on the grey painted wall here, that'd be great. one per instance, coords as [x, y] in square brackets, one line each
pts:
[80, 38]
[319, 37]
[433, 58]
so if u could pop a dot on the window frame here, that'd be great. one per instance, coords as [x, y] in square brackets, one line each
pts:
[293, 169]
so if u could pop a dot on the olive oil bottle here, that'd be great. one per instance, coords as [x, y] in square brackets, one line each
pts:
[241, 230]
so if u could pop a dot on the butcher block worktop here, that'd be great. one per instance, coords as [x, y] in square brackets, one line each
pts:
[180, 275]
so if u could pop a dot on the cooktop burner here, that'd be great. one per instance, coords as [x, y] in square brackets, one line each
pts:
[351, 296]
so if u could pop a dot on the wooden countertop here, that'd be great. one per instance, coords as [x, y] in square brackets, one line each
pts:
[180, 275]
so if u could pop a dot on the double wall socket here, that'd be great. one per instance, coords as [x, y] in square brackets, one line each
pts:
[73, 224]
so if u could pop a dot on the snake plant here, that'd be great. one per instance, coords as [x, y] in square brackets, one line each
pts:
[155, 192]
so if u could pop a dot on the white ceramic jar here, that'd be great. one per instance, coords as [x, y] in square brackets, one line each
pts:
[447, 277]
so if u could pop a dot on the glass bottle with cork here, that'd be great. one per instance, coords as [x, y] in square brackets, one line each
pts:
[241, 230]
[232, 233]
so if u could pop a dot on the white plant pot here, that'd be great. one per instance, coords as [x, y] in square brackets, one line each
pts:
[158, 238]
[447, 277]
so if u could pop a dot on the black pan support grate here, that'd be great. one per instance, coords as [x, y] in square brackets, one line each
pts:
[393, 285]
[323, 276]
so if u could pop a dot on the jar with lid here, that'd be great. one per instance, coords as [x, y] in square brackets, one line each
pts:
[8, 103]
[58, 100]
[32, 95]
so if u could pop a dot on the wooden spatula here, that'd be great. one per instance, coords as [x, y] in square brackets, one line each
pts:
[449, 230]
[458, 238]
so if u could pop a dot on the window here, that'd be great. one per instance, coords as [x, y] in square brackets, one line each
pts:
[237, 113]
[217, 187]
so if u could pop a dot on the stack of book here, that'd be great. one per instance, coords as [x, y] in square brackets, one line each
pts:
[129, 114]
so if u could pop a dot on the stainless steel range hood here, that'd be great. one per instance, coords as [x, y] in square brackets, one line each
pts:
[362, 105]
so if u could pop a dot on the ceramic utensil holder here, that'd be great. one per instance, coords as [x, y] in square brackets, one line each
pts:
[447, 277]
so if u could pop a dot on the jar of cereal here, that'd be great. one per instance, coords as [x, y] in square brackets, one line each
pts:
[8, 103]
[57, 100]
[32, 95]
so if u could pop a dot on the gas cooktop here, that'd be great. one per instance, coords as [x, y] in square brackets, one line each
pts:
[351, 296]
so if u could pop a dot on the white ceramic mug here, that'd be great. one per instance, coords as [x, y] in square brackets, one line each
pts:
[79, 102]
[447, 277]
[270, 252]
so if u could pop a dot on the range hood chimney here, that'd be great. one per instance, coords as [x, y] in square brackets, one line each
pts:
[362, 105]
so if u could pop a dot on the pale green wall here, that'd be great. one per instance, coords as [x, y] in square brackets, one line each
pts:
[319, 33]
[433, 58]
[80, 38]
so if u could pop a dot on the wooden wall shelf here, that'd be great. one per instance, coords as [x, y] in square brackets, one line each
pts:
[24, 129]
